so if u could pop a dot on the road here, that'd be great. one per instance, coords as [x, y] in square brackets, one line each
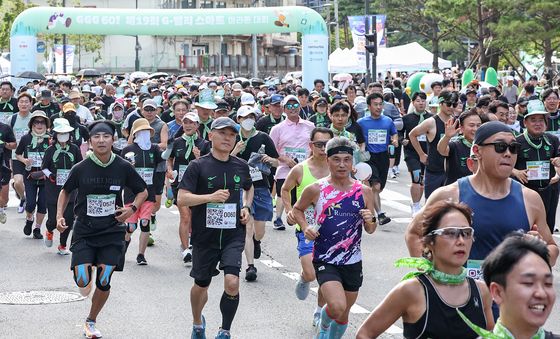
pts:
[153, 301]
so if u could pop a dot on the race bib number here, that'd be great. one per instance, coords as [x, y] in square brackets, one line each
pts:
[20, 132]
[221, 216]
[62, 176]
[120, 143]
[377, 137]
[296, 153]
[147, 174]
[256, 174]
[101, 205]
[538, 170]
[474, 269]
[36, 158]
[182, 170]
[310, 215]
[422, 138]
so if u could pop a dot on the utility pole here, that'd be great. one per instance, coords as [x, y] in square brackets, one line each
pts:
[337, 33]
[368, 77]
[255, 56]
[64, 46]
[137, 49]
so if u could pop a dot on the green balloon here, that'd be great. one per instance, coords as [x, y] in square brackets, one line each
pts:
[491, 76]
[414, 82]
[468, 76]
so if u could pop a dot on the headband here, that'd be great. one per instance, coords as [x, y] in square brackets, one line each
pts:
[488, 129]
[101, 127]
[340, 150]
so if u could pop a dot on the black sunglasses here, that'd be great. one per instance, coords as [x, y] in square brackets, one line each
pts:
[319, 144]
[501, 146]
[449, 104]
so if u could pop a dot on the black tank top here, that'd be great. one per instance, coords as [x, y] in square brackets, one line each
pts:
[435, 160]
[456, 162]
[441, 320]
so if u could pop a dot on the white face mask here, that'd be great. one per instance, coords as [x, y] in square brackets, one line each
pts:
[248, 124]
[63, 137]
[142, 139]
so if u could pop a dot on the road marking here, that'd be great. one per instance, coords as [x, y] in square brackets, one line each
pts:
[271, 263]
[402, 220]
[357, 309]
[394, 330]
[556, 236]
[388, 194]
[291, 275]
[396, 205]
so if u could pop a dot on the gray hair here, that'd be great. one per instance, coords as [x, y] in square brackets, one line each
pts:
[340, 141]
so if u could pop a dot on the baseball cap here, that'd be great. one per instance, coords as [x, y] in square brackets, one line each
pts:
[236, 87]
[522, 101]
[289, 98]
[223, 122]
[192, 116]
[470, 90]
[45, 93]
[150, 103]
[535, 107]
[247, 99]
[276, 99]
[222, 105]
[244, 111]
[509, 78]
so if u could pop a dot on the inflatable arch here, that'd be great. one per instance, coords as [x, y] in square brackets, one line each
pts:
[226, 21]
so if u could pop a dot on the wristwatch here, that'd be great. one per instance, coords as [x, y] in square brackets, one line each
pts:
[247, 207]
[134, 208]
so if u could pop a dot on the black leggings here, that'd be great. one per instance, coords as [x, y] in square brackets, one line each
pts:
[34, 196]
[68, 217]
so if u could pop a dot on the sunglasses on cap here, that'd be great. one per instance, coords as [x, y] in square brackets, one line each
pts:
[292, 106]
[502, 146]
[319, 144]
[453, 232]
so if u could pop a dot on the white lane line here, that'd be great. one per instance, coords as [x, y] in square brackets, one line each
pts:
[271, 263]
[315, 289]
[393, 195]
[396, 205]
[392, 181]
[402, 220]
[357, 309]
[394, 330]
[556, 236]
[291, 275]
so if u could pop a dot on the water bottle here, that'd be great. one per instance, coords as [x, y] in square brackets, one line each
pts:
[174, 174]
[316, 229]
[262, 149]
[391, 150]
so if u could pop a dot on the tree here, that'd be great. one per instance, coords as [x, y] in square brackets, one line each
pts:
[10, 10]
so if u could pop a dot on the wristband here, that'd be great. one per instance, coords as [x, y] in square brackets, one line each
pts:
[134, 208]
[247, 207]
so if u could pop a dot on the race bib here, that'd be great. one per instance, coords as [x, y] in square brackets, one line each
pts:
[221, 216]
[422, 138]
[36, 158]
[296, 153]
[538, 170]
[20, 132]
[101, 205]
[377, 137]
[256, 174]
[474, 269]
[182, 170]
[147, 174]
[62, 176]
[120, 143]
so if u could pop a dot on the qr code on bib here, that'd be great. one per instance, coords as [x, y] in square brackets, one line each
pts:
[214, 216]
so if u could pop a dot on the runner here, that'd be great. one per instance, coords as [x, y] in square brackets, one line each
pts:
[342, 125]
[258, 150]
[30, 151]
[381, 134]
[20, 125]
[533, 166]
[415, 167]
[291, 138]
[343, 206]
[205, 107]
[302, 175]
[456, 152]
[59, 159]
[275, 117]
[188, 147]
[80, 135]
[98, 237]
[145, 157]
[434, 128]
[7, 144]
[427, 297]
[46, 104]
[8, 104]
[321, 117]
[212, 186]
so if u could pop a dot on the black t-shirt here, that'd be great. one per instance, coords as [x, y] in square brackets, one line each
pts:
[145, 163]
[180, 163]
[9, 106]
[37, 153]
[166, 116]
[253, 146]
[266, 122]
[548, 150]
[6, 136]
[99, 194]
[410, 121]
[107, 101]
[64, 161]
[456, 161]
[206, 175]
[50, 110]
[355, 129]
[325, 123]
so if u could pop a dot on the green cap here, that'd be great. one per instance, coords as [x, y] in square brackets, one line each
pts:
[535, 107]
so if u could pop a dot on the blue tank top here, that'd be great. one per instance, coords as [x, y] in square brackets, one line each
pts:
[493, 219]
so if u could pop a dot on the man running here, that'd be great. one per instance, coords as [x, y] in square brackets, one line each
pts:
[342, 206]
[212, 187]
[301, 176]
[98, 238]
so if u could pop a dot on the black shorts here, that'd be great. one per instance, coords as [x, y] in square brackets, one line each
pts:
[84, 253]
[159, 182]
[293, 193]
[18, 167]
[350, 276]
[205, 259]
[379, 163]
[6, 176]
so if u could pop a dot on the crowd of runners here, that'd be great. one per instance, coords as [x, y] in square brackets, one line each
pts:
[99, 158]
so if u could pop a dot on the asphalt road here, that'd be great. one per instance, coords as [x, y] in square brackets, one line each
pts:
[153, 301]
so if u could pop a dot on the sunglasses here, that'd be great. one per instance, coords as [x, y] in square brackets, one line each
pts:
[449, 104]
[291, 106]
[320, 144]
[149, 109]
[454, 232]
[39, 122]
[502, 146]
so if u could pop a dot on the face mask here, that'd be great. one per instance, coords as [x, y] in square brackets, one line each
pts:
[142, 139]
[158, 99]
[118, 115]
[63, 137]
[248, 124]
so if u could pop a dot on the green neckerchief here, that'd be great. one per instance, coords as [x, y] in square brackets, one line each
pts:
[320, 118]
[98, 162]
[499, 332]
[64, 150]
[531, 143]
[206, 125]
[246, 141]
[273, 120]
[425, 266]
[7, 103]
[37, 138]
[189, 142]
[465, 141]
[420, 115]
[343, 133]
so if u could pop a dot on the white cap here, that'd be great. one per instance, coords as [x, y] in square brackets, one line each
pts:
[192, 116]
[387, 90]
[289, 98]
[244, 111]
[261, 95]
[247, 99]
[509, 78]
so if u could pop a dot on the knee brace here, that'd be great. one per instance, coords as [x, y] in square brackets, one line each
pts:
[131, 227]
[417, 177]
[104, 274]
[82, 275]
[144, 225]
[202, 283]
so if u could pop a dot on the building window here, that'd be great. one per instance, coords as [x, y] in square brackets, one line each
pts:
[273, 3]
[188, 3]
[206, 4]
[220, 4]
